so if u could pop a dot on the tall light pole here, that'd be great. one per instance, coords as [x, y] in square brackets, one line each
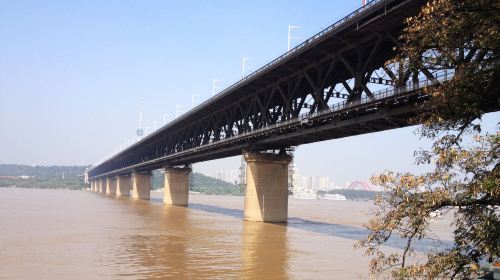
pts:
[214, 86]
[290, 37]
[243, 66]
[193, 97]
[177, 111]
[165, 118]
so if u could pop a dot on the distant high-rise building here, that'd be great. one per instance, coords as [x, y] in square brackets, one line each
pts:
[296, 180]
[304, 181]
[323, 182]
[243, 172]
[220, 175]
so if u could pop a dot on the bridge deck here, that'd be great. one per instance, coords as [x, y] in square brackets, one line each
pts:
[388, 109]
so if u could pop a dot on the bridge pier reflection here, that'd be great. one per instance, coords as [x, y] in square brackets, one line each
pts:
[264, 251]
[177, 185]
[141, 185]
[266, 193]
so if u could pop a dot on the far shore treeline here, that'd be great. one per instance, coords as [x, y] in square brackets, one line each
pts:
[47, 177]
[72, 177]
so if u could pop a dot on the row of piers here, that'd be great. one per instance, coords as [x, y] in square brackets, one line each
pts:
[266, 192]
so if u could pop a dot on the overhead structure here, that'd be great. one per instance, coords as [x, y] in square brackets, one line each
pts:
[324, 88]
[341, 82]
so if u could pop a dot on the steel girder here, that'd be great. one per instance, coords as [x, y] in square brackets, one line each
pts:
[348, 65]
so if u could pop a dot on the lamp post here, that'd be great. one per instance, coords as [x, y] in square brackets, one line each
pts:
[214, 86]
[165, 118]
[243, 66]
[177, 111]
[290, 37]
[193, 97]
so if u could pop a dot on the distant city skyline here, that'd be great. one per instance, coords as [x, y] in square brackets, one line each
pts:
[74, 77]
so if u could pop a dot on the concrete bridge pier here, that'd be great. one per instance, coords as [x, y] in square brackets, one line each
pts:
[102, 185]
[177, 185]
[111, 186]
[91, 185]
[122, 185]
[141, 185]
[266, 193]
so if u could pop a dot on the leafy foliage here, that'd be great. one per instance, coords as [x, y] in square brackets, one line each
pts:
[201, 183]
[209, 185]
[463, 36]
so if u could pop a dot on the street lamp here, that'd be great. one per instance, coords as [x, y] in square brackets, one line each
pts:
[193, 98]
[165, 118]
[177, 111]
[214, 86]
[243, 66]
[290, 37]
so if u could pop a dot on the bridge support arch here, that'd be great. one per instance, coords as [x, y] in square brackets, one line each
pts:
[266, 193]
[111, 186]
[141, 185]
[123, 185]
[177, 185]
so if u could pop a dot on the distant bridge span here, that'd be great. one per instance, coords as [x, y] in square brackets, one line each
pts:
[336, 84]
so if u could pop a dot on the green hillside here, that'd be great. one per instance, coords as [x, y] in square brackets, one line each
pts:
[41, 176]
[201, 183]
[71, 177]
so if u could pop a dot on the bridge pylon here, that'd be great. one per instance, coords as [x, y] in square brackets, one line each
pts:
[141, 185]
[177, 185]
[266, 193]
[123, 185]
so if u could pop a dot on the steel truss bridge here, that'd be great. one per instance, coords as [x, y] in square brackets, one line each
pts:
[341, 82]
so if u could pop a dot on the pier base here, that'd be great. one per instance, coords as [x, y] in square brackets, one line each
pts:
[141, 186]
[177, 185]
[122, 186]
[111, 186]
[266, 193]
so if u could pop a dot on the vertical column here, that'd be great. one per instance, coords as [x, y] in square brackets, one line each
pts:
[177, 185]
[141, 185]
[91, 185]
[102, 185]
[266, 194]
[111, 186]
[123, 185]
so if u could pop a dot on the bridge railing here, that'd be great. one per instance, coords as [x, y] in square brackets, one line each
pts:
[377, 97]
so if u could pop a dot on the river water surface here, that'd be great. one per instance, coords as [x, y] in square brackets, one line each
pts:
[59, 234]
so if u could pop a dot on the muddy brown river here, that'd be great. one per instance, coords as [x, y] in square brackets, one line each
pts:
[61, 234]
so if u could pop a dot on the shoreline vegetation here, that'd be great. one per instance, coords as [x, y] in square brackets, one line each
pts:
[72, 177]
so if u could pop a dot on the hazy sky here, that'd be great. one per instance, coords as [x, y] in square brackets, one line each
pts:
[73, 76]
